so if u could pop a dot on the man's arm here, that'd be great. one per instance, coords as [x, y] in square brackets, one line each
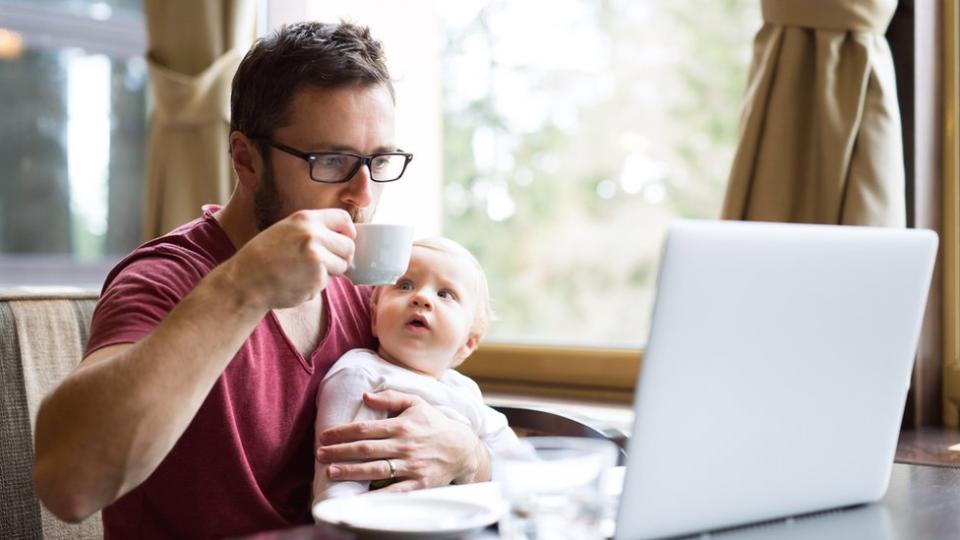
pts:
[111, 422]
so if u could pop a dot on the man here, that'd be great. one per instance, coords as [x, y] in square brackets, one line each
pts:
[192, 411]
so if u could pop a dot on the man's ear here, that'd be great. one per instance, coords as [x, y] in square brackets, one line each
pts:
[246, 159]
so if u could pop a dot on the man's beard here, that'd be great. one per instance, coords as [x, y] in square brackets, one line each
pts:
[268, 204]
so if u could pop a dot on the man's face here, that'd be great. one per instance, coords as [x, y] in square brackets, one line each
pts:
[356, 119]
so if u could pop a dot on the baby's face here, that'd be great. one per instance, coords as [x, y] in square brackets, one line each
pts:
[424, 321]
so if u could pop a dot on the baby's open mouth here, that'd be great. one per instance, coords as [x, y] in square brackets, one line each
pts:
[417, 322]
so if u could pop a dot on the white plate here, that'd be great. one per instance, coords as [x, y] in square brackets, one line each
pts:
[400, 515]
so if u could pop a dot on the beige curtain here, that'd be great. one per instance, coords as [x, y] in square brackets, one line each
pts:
[194, 50]
[820, 134]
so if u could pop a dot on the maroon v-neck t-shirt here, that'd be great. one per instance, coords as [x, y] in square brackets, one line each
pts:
[245, 462]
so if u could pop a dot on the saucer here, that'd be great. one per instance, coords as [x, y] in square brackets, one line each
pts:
[406, 515]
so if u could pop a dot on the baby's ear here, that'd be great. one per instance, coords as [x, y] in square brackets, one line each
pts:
[374, 298]
[473, 340]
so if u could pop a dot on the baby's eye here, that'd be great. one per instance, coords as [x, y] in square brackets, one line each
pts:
[405, 285]
[446, 294]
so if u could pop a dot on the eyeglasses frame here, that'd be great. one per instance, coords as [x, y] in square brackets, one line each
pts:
[311, 158]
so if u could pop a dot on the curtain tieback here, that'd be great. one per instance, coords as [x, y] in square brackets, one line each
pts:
[840, 15]
[190, 101]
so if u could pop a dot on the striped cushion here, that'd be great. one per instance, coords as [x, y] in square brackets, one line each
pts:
[42, 335]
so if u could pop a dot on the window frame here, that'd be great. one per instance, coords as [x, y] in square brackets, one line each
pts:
[949, 85]
[916, 41]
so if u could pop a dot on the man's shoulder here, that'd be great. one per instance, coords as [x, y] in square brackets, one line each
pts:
[149, 282]
[181, 257]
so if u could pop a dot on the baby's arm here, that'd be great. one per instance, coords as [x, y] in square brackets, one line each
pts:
[499, 438]
[340, 401]
[493, 428]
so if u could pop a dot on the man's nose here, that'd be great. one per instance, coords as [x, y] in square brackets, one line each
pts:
[358, 191]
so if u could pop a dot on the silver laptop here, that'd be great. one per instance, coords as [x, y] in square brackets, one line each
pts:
[775, 377]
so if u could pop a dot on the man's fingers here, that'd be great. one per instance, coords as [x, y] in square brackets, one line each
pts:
[338, 243]
[331, 237]
[390, 400]
[370, 470]
[370, 429]
[355, 451]
[333, 242]
[335, 219]
[335, 264]
[359, 431]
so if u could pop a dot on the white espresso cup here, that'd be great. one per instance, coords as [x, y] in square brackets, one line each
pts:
[382, 253]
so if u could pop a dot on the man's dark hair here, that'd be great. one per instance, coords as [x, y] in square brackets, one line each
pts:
[298, 55]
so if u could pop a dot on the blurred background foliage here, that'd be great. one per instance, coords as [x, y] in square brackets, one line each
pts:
[574, 133]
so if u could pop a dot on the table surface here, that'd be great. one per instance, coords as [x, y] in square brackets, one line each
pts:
[921, 503]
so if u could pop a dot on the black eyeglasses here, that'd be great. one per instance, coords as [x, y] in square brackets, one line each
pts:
[339, 167]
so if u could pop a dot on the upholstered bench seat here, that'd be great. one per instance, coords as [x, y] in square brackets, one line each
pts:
[42, 336]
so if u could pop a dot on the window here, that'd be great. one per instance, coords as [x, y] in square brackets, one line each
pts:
[73, 77]
[571, 137]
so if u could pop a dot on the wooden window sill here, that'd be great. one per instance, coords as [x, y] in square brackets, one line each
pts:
[575, 374]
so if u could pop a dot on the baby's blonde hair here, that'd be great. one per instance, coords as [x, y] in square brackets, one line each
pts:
[484, 315]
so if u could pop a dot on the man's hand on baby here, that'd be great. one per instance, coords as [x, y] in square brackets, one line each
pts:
[425, 447]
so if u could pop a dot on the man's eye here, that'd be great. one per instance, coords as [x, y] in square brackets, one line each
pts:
[330, 161]
[380, 162]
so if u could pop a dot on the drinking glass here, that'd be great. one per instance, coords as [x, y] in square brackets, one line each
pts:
[555, 492]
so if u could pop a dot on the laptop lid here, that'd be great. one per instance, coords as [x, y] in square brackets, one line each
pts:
[776, 373]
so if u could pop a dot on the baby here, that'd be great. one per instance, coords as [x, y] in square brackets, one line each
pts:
[427, 324]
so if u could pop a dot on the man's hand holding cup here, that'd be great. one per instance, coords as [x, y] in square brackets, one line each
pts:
[292, 260]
